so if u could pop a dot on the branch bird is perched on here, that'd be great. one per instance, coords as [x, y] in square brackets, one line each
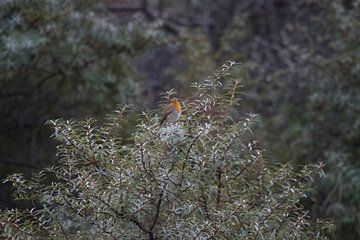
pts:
[172, 112]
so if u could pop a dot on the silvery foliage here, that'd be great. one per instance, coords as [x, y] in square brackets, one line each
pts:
[67, 50]
[204, 177]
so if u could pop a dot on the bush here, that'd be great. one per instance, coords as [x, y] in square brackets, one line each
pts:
[203, 177]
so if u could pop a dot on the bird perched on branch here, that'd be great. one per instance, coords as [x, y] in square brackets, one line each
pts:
[172, 112]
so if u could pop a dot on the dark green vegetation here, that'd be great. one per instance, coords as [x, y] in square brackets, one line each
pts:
[301, 60]
[201, 178]
[58, 59]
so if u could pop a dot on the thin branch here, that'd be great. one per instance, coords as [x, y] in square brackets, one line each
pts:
[61, 228]
[191, 145]
[187, 156]
[245, 167]
[204, 201]
[218, 187]
[86, 219]
[158, 208]
[142, 159]
[122, 215]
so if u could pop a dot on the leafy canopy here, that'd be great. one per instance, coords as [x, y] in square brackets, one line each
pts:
[203, 177]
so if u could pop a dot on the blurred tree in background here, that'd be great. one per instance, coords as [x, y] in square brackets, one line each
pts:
[308, 92]
[326, 123]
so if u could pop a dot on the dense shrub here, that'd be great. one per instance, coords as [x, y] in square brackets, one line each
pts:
[203, 177]
[303, 65]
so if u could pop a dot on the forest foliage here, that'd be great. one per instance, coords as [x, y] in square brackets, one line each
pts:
[300, 65]
[200, 178]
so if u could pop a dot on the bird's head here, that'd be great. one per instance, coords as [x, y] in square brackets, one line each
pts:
[176, 103]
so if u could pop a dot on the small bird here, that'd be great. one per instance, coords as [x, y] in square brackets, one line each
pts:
[172, 112]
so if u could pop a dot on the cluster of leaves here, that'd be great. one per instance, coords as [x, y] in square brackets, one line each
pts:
[201, 178]
[60, 58]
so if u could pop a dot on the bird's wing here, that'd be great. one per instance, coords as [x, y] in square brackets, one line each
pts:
[166, 114]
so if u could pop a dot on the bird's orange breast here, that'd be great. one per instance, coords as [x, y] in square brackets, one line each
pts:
[177, 106]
